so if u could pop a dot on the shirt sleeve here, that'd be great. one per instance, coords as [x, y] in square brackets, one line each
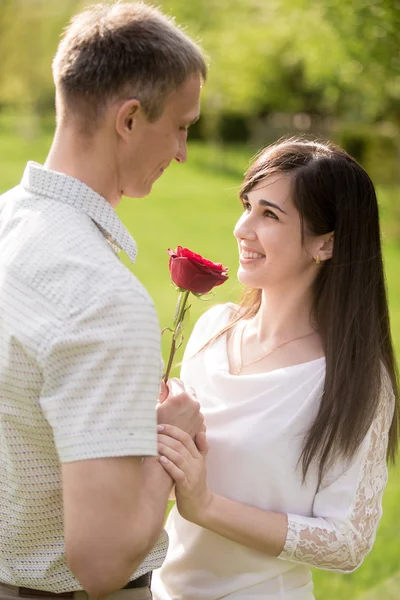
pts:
[101, 375]
[347, 510]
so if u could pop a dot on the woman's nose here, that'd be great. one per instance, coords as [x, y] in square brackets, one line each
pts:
[244, 230]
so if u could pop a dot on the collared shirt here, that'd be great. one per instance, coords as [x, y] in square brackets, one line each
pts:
[80, 364]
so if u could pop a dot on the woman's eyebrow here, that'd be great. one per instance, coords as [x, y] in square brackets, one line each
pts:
[263, 202]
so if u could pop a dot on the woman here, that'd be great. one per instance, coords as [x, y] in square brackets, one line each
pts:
[298, 388]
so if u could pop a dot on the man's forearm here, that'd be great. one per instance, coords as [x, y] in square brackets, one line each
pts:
[155, 490]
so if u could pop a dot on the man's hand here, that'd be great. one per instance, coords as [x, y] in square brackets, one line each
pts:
[178, 406]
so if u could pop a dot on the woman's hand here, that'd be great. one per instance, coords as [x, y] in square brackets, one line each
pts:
[177, 405]
[185, 463]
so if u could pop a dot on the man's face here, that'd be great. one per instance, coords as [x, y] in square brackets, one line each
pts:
[153, 146]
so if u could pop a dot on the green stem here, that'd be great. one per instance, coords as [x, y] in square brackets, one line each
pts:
[183, 298]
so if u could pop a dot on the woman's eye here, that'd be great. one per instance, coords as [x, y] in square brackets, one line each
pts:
[269, 213]
[266, 213]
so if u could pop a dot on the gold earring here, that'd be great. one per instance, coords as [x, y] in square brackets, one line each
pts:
[318, 260]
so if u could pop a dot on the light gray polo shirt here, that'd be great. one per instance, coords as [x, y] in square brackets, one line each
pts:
[80, 364]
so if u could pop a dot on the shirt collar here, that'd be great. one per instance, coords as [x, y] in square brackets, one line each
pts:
[71, 191]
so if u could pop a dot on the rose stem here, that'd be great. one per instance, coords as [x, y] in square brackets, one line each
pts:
[183, 297]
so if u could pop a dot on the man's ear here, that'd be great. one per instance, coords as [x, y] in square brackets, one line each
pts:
[326, 247]
[127, 116]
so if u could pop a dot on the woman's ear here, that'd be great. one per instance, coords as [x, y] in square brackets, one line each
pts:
[327, 247]
[324, 249]
[126, 117]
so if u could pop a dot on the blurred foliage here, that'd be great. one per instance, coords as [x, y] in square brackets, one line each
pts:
[29, 34]
[331, 57]
[328, 58]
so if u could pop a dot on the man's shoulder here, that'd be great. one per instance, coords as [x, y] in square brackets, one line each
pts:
[60, 253]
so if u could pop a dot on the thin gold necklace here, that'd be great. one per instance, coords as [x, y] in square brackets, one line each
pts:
[251, 362]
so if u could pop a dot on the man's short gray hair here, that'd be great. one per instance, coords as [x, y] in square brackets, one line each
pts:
[122, 50]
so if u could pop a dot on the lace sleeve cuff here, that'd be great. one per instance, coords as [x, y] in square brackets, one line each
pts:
[319, 543]
[351, 507]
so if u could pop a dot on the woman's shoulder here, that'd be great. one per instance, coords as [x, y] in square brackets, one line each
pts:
[218, 316]
[209, 324]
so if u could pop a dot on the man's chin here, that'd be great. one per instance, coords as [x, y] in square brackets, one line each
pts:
[138, 193]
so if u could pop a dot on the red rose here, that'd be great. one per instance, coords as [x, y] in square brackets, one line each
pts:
[192, 272]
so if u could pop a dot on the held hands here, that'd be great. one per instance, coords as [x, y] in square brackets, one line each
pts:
[185, 463]
[177, 406]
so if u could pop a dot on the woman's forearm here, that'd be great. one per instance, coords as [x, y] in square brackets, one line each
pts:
[255, 528]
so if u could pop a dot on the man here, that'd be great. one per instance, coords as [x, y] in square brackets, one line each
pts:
[80, 366]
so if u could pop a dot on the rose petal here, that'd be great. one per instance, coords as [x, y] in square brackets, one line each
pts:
[192, 272]
[190, 277]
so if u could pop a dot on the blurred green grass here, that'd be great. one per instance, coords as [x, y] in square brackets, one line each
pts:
[196, 205]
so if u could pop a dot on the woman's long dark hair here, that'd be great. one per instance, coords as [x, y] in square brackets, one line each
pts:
[334, 194]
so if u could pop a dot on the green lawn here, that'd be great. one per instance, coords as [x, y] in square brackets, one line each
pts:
[196, 205]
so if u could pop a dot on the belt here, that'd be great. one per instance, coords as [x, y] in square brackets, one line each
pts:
[140, 582]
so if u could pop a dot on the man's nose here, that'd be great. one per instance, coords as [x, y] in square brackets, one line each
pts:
[181, 155]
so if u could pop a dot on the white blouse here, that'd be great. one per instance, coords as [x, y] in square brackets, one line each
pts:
[255, 428]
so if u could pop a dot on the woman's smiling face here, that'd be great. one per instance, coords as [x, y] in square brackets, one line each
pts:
[271, 249]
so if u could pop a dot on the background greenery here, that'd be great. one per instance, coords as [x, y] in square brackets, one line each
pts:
[329, 68]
